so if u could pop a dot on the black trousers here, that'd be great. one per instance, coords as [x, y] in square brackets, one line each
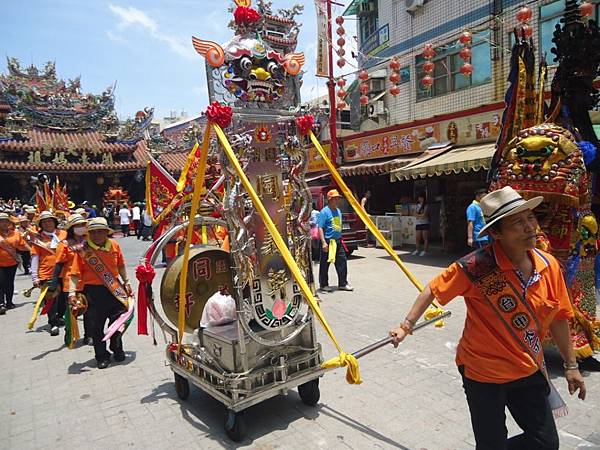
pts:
[56, 312]
[7, 284]
[527, 401]
[341, 266]
[26, 258]
[103, 306]
[125, 229]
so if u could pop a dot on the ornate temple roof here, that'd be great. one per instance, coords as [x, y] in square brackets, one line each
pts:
[47, 124]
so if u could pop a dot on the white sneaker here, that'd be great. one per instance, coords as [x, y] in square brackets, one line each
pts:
[415, 253]
[422, 253]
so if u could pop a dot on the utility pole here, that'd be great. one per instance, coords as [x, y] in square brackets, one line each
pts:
[331, 88]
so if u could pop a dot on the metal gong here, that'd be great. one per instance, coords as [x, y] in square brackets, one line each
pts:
[209, 270]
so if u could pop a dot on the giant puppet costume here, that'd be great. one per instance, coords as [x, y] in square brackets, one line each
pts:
[546, 151]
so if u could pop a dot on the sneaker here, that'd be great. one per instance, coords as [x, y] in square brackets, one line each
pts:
[10, 306]
[103, 364]
[415, 253]
[345, 288]
[326, 289]
[60, 322]
[423, 253]
[119, 357]
[2, 310]
[54, 331]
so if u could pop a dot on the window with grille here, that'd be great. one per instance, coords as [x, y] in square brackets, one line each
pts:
[368, 26]
[446, 75]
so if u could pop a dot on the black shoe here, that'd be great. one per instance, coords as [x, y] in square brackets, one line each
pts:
[119, 357]
[10, 306]
[103, 364]
[2, 310]
[589, 364]
[88, 341]
[60, 322]
[54, 331]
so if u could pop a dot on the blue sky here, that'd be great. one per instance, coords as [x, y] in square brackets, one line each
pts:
[142, 45]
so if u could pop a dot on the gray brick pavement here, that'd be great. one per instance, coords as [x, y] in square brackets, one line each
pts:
[411, 397]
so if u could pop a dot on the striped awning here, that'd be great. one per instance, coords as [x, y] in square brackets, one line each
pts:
[375, 168]
[456, 160]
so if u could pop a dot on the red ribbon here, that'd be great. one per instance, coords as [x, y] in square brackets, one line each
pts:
[145, 274]
[245, 16]
[219, 114]
[305, 124]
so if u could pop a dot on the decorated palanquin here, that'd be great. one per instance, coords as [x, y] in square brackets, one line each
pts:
[546, 151]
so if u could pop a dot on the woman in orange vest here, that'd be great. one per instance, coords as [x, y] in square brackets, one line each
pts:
[11, 242]
[43, 260]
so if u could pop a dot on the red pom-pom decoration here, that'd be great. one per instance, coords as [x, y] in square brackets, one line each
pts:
[364, 100]
[527, 31]
[364, 88]
[395, 65]
[341, 42]
[305, 124]
[363, 75]
[427, 81]
[219, 114]
[341, 62]
[524, 14]
[245, 16]
[428, 67]
[465, 54]
[341, 82]
[394, 77]
[394, 90]
[339, 20]
[466, 69]
[465, 37]
[586, 9]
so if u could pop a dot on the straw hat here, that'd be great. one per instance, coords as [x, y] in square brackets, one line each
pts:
[22, 219]
[71, 205]
[46, 215]
[503, 203]
[4, 216]
[29, 210]
[75, 219]
[98, 223]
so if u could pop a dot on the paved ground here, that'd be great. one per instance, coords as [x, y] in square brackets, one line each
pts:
[411, 397]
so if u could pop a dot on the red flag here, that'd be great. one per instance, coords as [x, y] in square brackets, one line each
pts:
[60, 201]
[40, 201]
[161, 191]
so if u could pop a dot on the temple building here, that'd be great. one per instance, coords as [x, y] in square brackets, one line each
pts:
[48, 126]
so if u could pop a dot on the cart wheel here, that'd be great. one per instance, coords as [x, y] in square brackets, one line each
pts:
[182, 387]
[309, 392]
[235, 425]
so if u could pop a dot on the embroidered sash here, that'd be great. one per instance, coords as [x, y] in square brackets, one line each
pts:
[10, 249]
[94, 261]
[513, 310]
[35, 239]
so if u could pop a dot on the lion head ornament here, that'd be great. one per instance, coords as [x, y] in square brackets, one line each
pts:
[247, 71]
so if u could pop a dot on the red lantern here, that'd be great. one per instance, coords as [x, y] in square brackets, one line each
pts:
[341, 105]
[428, 51]
[339, 20]
[395, 90]
[341, 82]
[527, 31]
[466, 69]
[394, 77]
[465, 54]
[364, 88]
[342, 93]
[363, 75]
[341, 42]
[428, 67]
[341, 62]
[364, 100]
[341, 52]
[586, 9]
[465, 37]
[524, 14]
[340, 31]
[427, 81]
[395, 65]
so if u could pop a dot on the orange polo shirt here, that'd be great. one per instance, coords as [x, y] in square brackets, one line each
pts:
[47, 259]
[110, 255]
[64, 255]
[15, 240]
[489, 353]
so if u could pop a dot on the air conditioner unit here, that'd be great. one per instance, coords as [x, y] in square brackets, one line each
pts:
[366, 7]
[377, 108]
[376, 85]
[413, 5]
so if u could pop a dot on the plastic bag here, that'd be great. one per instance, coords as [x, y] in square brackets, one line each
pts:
[219, 310]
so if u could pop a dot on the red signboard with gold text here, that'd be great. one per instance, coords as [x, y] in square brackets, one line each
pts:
[392, 143]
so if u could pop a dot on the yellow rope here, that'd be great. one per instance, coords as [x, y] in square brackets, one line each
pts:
[344, 359]
[36, 308]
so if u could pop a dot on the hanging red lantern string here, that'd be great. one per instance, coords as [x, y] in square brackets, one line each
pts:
[428, 67]
[395, 64]
[394, 76]
[340, 31]
[364, 100]
[363, 75]
[341, 104]
[341, 52]
[427, 81]
[465, 54]
[341, 62]
[394, 90]
[586, 9]
[466, 69]
[428, 51]
[465, 38]
[341, 82]
[339, 20]
[341, 42]
[342, 93]
[524, 14]
[364, 88]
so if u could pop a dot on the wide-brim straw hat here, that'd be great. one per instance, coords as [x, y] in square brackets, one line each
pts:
[75, 219]
[98, 223]
[71, 205]
[4, 216]
[503, 203]
[46, 215]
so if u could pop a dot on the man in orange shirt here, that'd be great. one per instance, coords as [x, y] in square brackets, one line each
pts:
[43, 260]
[98, 266]
[515, 294]
[11, 242]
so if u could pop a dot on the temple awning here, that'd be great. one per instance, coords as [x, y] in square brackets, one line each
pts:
[456, 160]
[375, 167]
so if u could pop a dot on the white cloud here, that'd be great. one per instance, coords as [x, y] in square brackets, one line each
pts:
[131, 17]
